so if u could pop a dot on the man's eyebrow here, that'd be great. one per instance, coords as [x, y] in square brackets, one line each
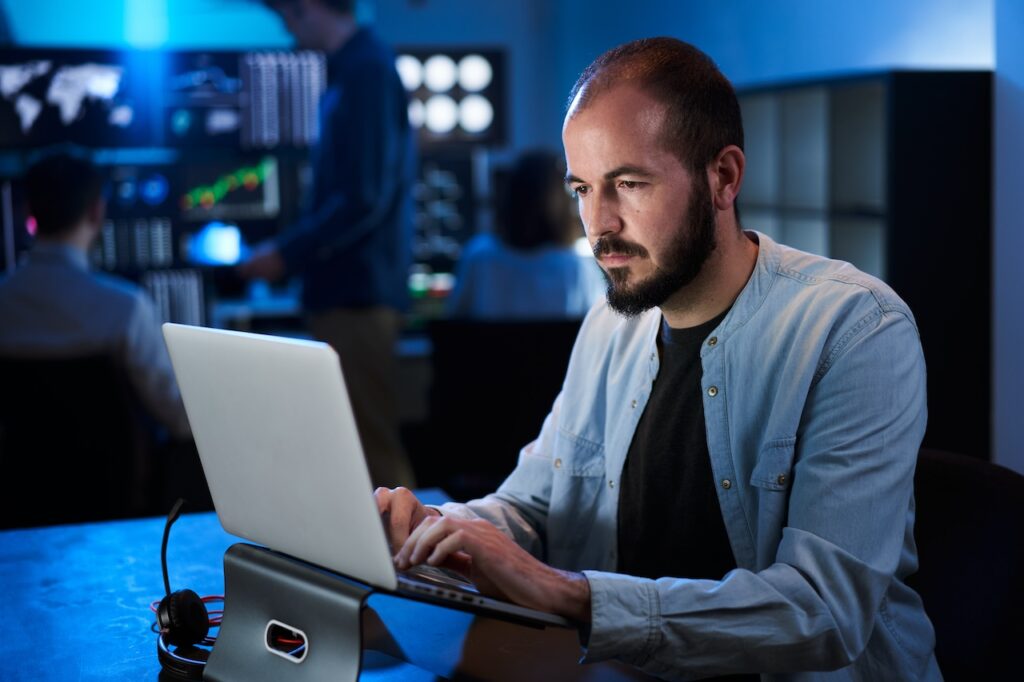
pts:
[614, 173]
[627, 170]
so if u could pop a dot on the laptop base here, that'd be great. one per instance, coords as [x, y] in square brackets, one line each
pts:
[286, 621]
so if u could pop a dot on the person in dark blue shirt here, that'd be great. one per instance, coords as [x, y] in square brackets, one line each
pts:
[352, 248]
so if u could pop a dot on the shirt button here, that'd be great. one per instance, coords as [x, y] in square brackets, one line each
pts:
[726, 483]
[781, 479]
[558, 463]
[713, 391]
[611, 483]
[713, 341]
[652, 357]
[633, 404]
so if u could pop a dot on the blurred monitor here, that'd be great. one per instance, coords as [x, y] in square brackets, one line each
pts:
[203, 99]
[456, 95]
[16, 226]
[243, 99]
[150, 98]
[216, 243]
[230, 188]
[445, 204]
[139, 190]
[87, 97]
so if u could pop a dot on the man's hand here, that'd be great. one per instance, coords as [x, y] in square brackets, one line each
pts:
[402, 513]
[496, 565]
[264, 263]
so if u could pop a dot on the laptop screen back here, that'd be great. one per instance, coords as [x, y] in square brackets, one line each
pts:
[275, 432]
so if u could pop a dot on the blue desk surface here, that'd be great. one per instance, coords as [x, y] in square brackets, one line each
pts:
[75, 599]
[75, 602]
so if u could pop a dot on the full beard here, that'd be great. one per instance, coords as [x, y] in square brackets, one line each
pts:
[687, 253]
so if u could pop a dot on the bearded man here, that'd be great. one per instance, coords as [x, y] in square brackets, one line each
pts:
[725, 484]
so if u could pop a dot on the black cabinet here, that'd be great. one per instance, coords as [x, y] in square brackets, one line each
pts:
[892, 172]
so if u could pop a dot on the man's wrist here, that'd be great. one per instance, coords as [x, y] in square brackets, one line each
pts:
[573, 600]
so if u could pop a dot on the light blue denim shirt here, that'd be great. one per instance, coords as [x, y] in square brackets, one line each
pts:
[814, 402]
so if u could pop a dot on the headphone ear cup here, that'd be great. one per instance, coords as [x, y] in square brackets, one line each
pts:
[181, 665]
[183, 616]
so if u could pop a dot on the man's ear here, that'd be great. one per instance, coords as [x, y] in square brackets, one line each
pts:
[725, 175]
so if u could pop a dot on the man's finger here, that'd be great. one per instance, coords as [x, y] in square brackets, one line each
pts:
[383, 497]
[455, 542]
[424, 536]
[402, 510]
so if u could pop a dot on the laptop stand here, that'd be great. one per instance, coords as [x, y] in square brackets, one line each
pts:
[285, 620]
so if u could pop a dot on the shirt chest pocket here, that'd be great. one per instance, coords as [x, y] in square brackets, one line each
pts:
[770, 483]
[774, 468]
[576, 492]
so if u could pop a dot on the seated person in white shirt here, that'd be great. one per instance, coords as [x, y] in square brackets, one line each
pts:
[530, 268]
[53, 306]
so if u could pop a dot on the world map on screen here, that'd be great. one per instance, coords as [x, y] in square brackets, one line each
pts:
[74, 91]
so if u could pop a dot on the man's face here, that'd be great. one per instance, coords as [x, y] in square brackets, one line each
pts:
[649, 220]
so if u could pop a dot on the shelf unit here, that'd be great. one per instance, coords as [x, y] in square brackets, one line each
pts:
[891, 171]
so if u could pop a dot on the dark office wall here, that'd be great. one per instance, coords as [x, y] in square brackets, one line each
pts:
[1008, 242]
[754, 41]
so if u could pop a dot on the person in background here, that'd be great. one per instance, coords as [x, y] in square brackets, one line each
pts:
[725, 484]
[530, 269]
[353, 247]
[53, 306]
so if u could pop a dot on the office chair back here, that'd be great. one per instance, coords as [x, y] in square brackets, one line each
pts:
[493, 384]
[970, 537]
[74, 446]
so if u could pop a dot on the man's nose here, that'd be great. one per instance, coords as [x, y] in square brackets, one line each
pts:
[602, 215]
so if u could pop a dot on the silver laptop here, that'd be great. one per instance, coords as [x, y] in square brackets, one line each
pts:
[278, 443]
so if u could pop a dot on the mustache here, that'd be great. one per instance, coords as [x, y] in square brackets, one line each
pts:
[614, 244]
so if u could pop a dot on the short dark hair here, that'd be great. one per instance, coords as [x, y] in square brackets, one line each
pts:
[703, 113]
[526, 220]
[340, 6]
[60, 189]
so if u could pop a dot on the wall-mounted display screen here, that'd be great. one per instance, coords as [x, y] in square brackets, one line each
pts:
[83, 97]
[455, 95]
[230, 189]
[249, 100]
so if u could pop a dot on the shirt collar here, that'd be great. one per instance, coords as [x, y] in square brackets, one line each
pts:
[55, 252]
[756, 289]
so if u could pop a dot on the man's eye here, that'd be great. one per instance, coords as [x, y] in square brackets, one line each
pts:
[579, 191]
[629, 184]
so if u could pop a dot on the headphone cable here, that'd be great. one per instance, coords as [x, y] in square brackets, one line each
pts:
[171, 518]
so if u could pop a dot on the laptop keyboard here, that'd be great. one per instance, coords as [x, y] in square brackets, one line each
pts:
[443, 577]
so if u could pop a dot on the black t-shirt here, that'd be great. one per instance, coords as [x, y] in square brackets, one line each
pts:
[670, 523]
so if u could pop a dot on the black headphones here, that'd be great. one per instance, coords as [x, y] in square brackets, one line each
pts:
[183, 622]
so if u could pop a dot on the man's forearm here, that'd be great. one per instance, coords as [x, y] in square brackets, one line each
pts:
[571, 595]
